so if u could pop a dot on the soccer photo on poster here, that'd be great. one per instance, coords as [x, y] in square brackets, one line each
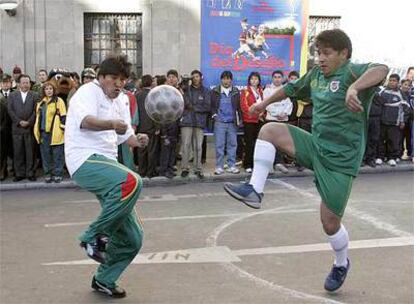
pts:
[251, 35]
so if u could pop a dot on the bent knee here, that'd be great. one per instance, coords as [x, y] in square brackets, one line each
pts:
[278, 134]
[331, 225]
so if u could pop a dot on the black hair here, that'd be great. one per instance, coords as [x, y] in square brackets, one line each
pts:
[23, 76]
[395, 76]
[277, 72]
[172, 72]
[42, 70]
[226, 74]
[197, 72]
[161, 79]
[117, 65]
[75, 75]
[293, 73]
[252, 74]
[409, 69]
[335, 39]
[146, 80]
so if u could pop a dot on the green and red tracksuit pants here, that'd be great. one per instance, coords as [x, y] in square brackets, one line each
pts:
[117, 189]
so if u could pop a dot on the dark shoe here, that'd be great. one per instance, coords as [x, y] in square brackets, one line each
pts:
[245, 193]
[199, 174]
[300, 168]
[116, 292]
[184, 173]
[336, 277]
[96, 249]
[58, 179]
[169, 175]
[371, 163]
[18, 179]
[48, 179]
[32, 178]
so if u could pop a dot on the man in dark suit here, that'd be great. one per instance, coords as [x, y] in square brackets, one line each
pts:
[21, 107]
[6, 142]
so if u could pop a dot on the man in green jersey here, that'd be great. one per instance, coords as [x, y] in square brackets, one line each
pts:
[341, 93]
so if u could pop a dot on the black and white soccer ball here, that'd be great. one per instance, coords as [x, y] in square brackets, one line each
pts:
[164, 104]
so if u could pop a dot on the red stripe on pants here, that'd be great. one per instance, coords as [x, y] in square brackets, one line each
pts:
[128, 185]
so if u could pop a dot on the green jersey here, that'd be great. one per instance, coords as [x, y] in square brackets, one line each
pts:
[339, 134]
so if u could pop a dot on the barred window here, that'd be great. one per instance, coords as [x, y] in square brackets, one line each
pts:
[113, 33]
[316, 25]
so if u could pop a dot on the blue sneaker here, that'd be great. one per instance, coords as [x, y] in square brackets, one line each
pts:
[245, 193]
[336, 277]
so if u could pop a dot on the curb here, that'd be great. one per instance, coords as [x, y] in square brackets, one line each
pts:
[192, 179]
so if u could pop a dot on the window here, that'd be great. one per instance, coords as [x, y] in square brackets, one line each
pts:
[113, 33]
[316, 25]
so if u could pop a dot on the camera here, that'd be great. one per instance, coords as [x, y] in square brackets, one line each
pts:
[185, 82]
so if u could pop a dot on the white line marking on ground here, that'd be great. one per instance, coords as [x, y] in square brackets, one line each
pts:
[170, 197]
[212, 241]
[359, 244]
[223, 254]
[186, 217]
[368, 218]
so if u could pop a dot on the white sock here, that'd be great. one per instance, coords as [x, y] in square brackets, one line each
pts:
[339, 243]
[264, 155]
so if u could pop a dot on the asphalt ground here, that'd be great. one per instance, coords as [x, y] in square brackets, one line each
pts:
[201, 246]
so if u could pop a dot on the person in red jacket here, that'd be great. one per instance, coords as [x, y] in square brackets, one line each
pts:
[251, 95]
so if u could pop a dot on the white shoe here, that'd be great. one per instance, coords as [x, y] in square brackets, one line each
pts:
[249, 170]
[378, 161]
[398, 160]
[282, 168]
[392, 163]
[233, 170]
[218, 171]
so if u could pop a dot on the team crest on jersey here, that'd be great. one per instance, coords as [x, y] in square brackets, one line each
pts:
[334, 86]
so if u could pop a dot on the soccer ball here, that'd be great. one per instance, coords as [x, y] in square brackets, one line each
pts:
[164, 104]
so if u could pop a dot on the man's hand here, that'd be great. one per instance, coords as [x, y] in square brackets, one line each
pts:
[352, 101]
[257, 108]
[24, 124]
[142, 140]
[119, 126]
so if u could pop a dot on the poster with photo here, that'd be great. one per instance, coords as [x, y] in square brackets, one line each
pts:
[252, 35]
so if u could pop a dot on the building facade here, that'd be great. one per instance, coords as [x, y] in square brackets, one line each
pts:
[161, 34]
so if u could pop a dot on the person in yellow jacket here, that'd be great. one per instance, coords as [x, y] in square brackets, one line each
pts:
[49, 132]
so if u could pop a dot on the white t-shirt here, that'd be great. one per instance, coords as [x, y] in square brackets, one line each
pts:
[281, 108]
[80, 144]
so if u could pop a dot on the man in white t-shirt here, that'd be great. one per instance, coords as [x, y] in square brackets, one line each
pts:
[96, 123]
[278, 112]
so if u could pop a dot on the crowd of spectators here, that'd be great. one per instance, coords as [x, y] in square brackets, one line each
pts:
[33, 118]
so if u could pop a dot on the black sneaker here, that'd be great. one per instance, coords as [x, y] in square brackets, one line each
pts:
[116, 292]
[336, 277]
[96, 250]
[184, 173]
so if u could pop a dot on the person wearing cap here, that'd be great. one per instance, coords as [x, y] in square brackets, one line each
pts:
[42, 76]
[87, 76]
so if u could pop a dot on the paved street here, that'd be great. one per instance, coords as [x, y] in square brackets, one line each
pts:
[201, 246]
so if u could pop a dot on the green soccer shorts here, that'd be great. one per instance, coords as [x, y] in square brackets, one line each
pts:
[334, 187]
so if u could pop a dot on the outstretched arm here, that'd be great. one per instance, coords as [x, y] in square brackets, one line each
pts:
[258, 108]
[372, 77]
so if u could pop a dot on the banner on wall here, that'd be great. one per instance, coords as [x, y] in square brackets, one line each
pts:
[252, 35]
